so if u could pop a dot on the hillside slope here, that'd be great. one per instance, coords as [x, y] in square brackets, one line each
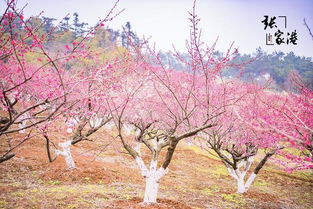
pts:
[112, 180]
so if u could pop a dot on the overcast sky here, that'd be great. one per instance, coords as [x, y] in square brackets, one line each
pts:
[167, 20]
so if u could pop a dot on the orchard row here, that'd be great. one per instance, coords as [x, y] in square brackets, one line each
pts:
[76, 91]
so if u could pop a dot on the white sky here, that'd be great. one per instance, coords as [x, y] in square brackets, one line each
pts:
[167, 21]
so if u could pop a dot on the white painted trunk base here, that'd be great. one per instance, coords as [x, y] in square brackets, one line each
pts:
[95, 122]
[250, 180]
[239, 175]
[66, 153]
[152, 177]
[138, 148]
[151, 190]
[23, 122]
[241, 188]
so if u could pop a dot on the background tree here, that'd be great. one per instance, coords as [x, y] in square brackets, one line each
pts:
[20, 78]
[237, 143]
[292, 121]
[161, 107]
[79, 27]
[33, 93]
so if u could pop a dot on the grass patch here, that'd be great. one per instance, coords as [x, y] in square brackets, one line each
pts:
[212, 190]
[260, 183]
[200, 151]
[54, 182]
[207, 191]
[234, 199]
[181, 188]
[219, 171]
[305, 175]
[3, 204]
[18, 194]
[72, 206]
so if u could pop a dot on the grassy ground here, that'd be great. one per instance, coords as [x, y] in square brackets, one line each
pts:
[111, 180]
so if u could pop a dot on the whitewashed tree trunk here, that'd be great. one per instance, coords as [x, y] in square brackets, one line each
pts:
[138, 148]
[23, 121]
[152, 177]
[250, 180]
[95, 122]
[241, 188]
[151, 190]
[66, 153]
[239, 175]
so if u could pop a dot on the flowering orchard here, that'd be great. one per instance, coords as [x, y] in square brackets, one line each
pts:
[72, 90]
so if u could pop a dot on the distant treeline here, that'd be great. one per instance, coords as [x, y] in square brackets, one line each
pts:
[274, 66]
[278, 65]
[70, 29]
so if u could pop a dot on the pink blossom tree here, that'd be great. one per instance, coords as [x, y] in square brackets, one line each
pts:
[237, 142]
[88, 112]
[34, 92]
[159, 107]
[25, 86]
[290, 117]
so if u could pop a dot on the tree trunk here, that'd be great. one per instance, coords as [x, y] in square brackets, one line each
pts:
[66, 153]
[152, 177]
[250, 180]
[151, 190]
[241, 185]
[6, 157]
